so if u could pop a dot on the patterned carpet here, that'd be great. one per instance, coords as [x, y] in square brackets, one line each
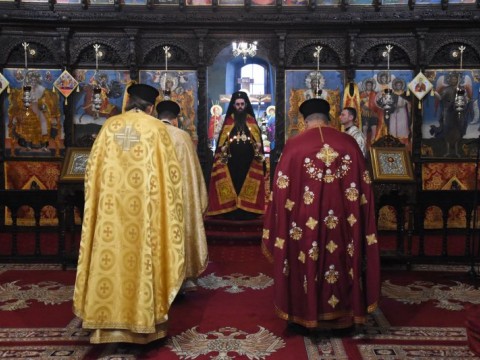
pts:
[230, 316]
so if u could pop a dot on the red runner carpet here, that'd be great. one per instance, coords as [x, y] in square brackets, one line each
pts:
[422, 316]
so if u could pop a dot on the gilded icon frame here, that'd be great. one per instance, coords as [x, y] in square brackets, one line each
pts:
[392, 164]
[74, 164]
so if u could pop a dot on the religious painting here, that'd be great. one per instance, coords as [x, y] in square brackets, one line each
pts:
[462, 2]
[33, 113]
[427, 2]
[101, 2]
[198, 2]
[451, 114]
[420, 86]
[263, 2]
[88, 117]
[394, 2]
[372, 118]
[328, 2]
[301, 85]
[179, 86]
[75, 164]
[231, 2]
[360, 2]
[3, 83]
[135, 2]
[295, 2]
[165, 2]
[32, 175]
[391, 164]
[65, 84]
[68, 1]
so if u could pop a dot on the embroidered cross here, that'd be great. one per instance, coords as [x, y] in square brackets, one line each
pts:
[128, 138]
[327, 155]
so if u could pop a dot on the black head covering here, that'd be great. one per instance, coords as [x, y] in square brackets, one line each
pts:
[168, 105]
[313, 106]
[240, 95]
[143, 91]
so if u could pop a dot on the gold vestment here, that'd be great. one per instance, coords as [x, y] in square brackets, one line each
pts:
[195, 204]
[131, 263]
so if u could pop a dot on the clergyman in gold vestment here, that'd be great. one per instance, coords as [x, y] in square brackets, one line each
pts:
[132, 253]
[194, 194]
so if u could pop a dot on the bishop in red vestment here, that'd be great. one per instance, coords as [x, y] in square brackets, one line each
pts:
[320, 229]
[237, 183]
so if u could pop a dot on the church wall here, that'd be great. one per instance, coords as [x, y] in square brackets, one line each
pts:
[352, 39]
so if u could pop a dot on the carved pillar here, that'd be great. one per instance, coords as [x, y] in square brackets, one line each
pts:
[132, 53]
[351, 55]
[279, 104]
[204, 153]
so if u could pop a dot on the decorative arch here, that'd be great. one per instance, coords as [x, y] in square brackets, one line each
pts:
[441, 53]
[399, 55]
[302, 54]
[16, 53]
[155, 54]
[85, 54]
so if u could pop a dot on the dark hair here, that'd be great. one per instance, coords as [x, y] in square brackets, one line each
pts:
[351, 111]
[166, 114]
[136, 102]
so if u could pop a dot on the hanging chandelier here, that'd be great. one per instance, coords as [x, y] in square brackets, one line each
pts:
[27, 88]
[244, 49]
[167, 93]
[97, 90]
[460, 101]
[316, 54]
[386, 101]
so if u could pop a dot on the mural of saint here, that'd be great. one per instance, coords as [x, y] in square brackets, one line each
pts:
[34, 113]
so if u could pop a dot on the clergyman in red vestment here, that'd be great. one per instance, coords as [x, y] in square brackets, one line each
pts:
[320, 229]
[237, 182]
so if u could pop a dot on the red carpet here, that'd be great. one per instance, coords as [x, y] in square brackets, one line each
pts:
[422, 316]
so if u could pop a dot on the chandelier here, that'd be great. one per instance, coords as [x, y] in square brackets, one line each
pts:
[97, 90]
[244, 49]
[316, 54]
[460, 94]
[27, 88]
[166, 92]
[386, 101]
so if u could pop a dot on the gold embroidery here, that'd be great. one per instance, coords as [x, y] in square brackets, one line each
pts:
[366, 177]
[313, 252]
[363, 200]
[352, 220]
[225, 191]
[331, 275]
[351, 273]
[308, 196]
[282, 180]
[352, 192]
[305, 284]
[301, 257]
[250, 189]
[266, 234]
[330, 174]
[286, 268]
[350, 248]
[327, 155]
[295, 232]
[279, 242]
[331, 220]
[333, 301]
[128, 138]
[371, 239]
[311, 223]
[331, 246]
[289, 204]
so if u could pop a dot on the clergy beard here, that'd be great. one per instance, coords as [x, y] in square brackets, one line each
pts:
[240, 117]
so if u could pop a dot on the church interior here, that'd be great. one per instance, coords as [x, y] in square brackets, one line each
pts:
[78, 56]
